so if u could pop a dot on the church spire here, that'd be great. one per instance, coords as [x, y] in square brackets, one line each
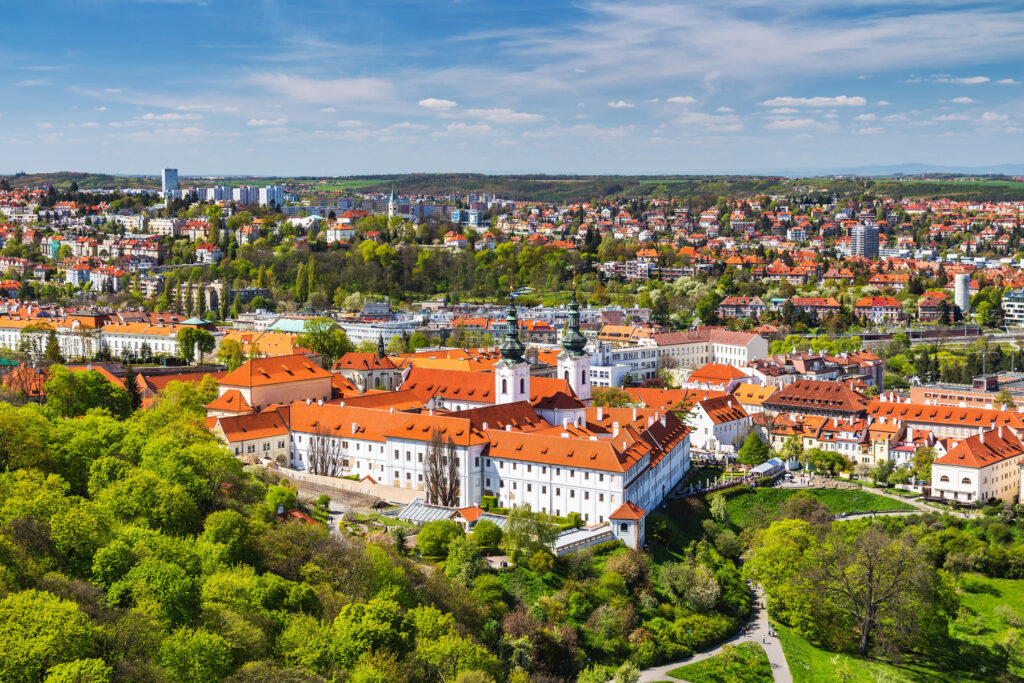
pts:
[380, 345]
[573, 341]
[511, 348]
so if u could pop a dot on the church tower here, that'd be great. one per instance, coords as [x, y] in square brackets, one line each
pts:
[573, 362]
[511, 373]
[392, 205]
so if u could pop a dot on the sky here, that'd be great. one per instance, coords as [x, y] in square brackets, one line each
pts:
[336, 87]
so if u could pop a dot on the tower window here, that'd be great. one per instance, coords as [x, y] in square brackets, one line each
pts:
[504, 386]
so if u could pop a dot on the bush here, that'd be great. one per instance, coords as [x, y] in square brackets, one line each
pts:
[542, 562]
[488, 502]
[487, 534]
[433, 539]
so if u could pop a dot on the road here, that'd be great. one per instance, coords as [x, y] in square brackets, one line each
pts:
[757, 632]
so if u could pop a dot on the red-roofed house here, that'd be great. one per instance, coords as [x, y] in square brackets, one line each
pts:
[719, 422]
[980, 468]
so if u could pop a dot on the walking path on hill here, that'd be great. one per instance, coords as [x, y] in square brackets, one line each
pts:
[757, 632]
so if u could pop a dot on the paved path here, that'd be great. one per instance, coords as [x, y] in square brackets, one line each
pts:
[757, 632]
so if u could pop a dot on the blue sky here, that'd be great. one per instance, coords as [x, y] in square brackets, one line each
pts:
[339, 87]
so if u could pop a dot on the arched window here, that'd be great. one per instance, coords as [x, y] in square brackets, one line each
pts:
[623, 527]
[522, 386]
[944, 478]
[965, 480]
[504, 386]
[566, 375]
[584, 376]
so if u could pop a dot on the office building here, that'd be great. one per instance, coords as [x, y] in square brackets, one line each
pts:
[169, 180]
[864, 241]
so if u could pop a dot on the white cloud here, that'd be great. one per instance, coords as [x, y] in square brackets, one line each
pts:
[869, 130]
[267, 122]
[991, 117]
[329, 110]
[100, 109]
[503, 115]
[895, 118]
[32, 83]
[350, 124]
[654, 100]
[170, 117]
[783, 110]
[684, 99]
[952, 117]
[90, 124]
[968, 80]
[620, 104]
[838, 101]
[407, 125]
[44, 124]
[712, 123]
[883, 103]
[725, 110]
[469, 129]
[962, 100]
[792, 124]
[435, 103]
[864, 117]
[326, 91]
[1007, 81]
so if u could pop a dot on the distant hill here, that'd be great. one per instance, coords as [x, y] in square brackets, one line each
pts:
[581, 188]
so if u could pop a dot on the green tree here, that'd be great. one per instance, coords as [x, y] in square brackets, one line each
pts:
[718, 508]
[52, 352]
[754, 451]
[81, 671]
[434, 538]
[487, 534]
[921, 463]
[70, 394]
[196, 656]
[527, 530]
[323, 336]
[610, 397]
[38, 631]
[131, 387]
[230, 353]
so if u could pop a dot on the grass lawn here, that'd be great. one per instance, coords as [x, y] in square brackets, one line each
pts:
[745, 663]
[967, 657]
[750, 506]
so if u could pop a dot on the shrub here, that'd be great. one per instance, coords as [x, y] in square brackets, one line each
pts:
[433, 539]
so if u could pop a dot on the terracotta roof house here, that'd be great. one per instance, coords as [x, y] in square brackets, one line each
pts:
[811, 397]
[980, 468]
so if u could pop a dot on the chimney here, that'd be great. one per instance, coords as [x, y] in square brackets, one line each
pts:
[319, 401]
[634, 414]
[565, 435]
[485, 426]
[1000, 431]
[355, 427]
[910, 433]
[663, 421]
[615, 428]
[593, 437]
[600, 413]
[308, 401]
[650, 420]
[565, 422]
[508, 428]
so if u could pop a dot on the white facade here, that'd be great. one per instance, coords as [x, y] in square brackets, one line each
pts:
[271, 194]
